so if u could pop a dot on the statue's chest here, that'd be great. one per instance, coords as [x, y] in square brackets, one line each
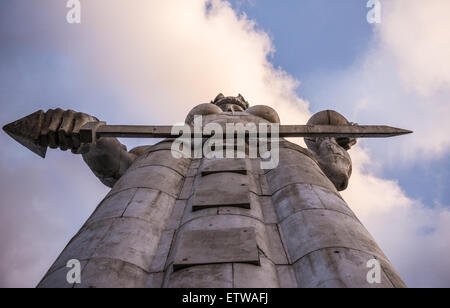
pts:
[223, 183]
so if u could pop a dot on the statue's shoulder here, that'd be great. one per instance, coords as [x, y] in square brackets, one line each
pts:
[166, 144]
[284, 144]
[138, 151]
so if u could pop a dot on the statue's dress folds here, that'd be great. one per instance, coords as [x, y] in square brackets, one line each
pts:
[224, 223]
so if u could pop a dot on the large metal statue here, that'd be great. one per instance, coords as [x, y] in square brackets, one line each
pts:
[199, 222]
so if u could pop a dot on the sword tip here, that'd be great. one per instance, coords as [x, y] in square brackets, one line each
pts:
[401, 131]
[26, 132]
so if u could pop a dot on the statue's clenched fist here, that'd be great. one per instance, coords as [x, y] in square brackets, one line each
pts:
[62, 129]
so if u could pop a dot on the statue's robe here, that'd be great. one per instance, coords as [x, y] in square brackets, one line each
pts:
[227, 223]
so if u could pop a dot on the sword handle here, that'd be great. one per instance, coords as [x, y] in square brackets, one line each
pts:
[88, 133]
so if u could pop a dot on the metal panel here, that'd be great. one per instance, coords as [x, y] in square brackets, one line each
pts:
[311, 230]
[286, 276]
[224, 165]
[204, 276]
[155, 177]
[251, 276]
[163, 158]
[186, 191]
[339, 267]
[112, 273]
[131, 240]
[222, 189]
[159, 261]
[277, 252]
[217, 246]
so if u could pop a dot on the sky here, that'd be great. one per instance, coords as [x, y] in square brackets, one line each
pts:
[150, 62]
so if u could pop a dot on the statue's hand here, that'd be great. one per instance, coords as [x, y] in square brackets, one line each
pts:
[62, 129]
[347, 143]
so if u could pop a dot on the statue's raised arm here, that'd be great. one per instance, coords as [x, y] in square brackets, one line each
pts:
[330, 152]
[57, 128]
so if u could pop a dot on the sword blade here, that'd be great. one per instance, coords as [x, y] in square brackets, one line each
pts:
[311, 131]
[27, 131]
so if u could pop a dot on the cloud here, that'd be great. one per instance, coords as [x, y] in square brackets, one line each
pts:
[183, 53]
[40, 211]
[158, 59]
[414, 237]
[417, 36]
[402, 80]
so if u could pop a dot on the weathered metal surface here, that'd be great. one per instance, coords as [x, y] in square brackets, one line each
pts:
[268, 210]
[187, 189]
[58, 278]
[310, 230]
[284, 176]
[160, 158]
[154, 177]
[220, 222]
[176, 216]
[287, 276]
[200, 247]
[165, 243]
[112, 273]
[299, 197]
[277, 252]
[155, 280]
[254, 276]
[203, 276]
[340, 267]
[82, 246]
[153, 206]
[211, 166]
[212, 190]
[254, 211]
[131, 240]
[112, 206]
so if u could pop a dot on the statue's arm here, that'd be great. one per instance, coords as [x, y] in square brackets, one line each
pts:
[108, 158]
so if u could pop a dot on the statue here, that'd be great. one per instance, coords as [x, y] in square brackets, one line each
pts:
[216, 223]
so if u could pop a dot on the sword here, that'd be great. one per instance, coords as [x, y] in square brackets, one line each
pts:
[26, 131]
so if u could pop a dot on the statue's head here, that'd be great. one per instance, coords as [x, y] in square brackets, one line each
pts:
[231, 103]
[331, 153]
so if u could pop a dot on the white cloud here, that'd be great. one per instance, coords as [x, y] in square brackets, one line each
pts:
[418, 36]
[43, 204]
[177, 53]
[402, 80]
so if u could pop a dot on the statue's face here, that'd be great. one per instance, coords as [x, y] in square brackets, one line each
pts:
[231, 108]
[230, 104]
[333, 159]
